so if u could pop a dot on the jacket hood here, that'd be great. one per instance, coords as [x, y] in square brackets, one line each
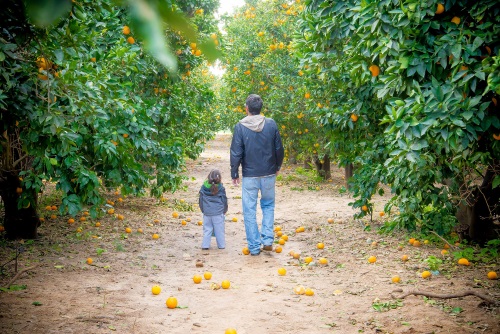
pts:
[206, 188]
[254, 122]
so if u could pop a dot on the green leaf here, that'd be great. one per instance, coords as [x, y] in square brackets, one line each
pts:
[150, 28]
[45, 12]
[496, 181]
[37, 303]
[53, 161]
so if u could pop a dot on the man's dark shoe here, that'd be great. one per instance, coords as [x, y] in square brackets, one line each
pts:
[267, 248]
[255, 254]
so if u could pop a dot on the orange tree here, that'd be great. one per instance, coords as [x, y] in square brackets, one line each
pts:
[259, 58]
[84, 106]
[427, 72]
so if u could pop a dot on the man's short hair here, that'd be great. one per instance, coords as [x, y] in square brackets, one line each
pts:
[254, 104]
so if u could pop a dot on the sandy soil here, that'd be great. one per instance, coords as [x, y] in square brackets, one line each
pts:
[114, 293]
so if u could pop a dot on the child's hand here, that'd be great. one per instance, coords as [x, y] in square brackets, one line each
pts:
[236, 182]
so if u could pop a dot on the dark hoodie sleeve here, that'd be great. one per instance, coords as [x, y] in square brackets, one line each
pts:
[224, 198]
[236, 152]
[200, 200]
[280, 152]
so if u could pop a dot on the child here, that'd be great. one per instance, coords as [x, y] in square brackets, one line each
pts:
[213, 205]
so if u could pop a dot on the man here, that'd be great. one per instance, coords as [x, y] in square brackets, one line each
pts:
[256, 145]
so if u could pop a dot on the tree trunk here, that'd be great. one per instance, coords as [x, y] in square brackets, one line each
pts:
[480, 217]
[349, 169]
[18, 223]
[323, 168]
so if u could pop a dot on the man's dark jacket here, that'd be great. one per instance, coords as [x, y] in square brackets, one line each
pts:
[256, 145]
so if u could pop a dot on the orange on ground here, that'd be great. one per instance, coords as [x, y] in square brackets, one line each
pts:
[426, 274]
[197, 279]
[277, 228]
[71, 221]
[184, 222]
[296, 255]
[281, 241]
[439, 9]
[155, 290]
[171, 302]
[155, 236]
[97, 224]
[234, 219]
[400, 248]
[156, 221]
[111, 211]
[396, 279]
[416, 243]
[230, 331]
[278, 249]
[323, 260]
[444, 252]
[48, 208]
[492, 275]
[55, 216]
[320, 245]
[128, 230]
[82, 219]
[330, 220]
[200, 222]
[78, 230]
[404, 258]
[245, 251]
[446, 246]
[120, 217]
[299, 290]
[89, 260]
[175, 214]
[308, 259]
[463, 262]
[53, 207]
[282, 271]
[307, 95]
[207, 275]
[225, 284]
[302, 228]
[411, 241]
[284, 237]
[372, 259]
[139, 230]
[279, 234]
[309, 292]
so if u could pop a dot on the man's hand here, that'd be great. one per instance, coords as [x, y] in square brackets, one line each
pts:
[236, 182]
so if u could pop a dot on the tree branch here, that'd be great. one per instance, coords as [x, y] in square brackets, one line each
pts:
[19, 274]
[484, 297]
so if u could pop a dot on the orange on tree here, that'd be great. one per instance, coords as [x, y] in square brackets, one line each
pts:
[456, 20]
[440, 8]
[130, 40]
[126, 30]
[375, 70]
[364, 208]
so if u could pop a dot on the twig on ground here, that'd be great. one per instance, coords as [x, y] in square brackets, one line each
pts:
[19, 274]
[446, 242]
[484, 297]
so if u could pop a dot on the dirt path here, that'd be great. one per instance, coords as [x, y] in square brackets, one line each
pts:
[114, 293]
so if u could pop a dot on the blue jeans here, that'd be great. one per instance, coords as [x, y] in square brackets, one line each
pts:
[215, 225]
[250, 192]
